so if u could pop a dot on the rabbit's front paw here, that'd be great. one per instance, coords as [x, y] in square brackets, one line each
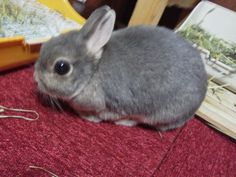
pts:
[126, 122]
[91, 118]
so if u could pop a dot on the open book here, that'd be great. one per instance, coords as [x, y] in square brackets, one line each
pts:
[211, 29]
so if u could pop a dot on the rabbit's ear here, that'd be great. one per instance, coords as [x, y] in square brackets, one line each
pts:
[98, 29]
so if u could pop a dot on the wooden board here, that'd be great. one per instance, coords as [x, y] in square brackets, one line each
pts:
[148, 12]
[219, 110]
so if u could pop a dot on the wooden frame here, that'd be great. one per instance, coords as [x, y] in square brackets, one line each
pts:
[148, 12]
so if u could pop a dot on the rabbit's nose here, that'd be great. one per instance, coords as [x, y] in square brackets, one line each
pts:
[36, 77]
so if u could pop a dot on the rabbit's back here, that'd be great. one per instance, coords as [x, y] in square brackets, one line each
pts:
[151, 71]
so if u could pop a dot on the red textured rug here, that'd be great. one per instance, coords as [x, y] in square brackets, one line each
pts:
[68, 146]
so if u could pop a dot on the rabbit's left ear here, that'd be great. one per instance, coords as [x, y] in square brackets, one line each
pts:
[98, 29]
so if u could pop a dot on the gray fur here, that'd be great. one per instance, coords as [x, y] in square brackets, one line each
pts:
[145, 74]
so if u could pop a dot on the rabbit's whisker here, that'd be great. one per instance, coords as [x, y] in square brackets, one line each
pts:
[57, 103]
[52, 102]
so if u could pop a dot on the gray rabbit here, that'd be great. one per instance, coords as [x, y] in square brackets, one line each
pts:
[137, 75]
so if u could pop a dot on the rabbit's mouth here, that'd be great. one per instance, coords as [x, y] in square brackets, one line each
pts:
[42, 87]
[52, 93]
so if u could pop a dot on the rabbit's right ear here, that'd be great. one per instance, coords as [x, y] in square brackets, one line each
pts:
[98, 29]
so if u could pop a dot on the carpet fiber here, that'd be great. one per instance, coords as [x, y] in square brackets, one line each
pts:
[68, 146]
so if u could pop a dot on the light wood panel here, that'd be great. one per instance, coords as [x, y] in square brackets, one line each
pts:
[148, 12]
[219, 110]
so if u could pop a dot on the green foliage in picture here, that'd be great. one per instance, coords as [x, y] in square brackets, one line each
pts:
[219, 49]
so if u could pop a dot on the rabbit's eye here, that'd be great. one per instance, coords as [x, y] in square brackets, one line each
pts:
[62, 67]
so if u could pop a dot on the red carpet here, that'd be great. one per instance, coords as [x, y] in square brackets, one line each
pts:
[68, 146]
